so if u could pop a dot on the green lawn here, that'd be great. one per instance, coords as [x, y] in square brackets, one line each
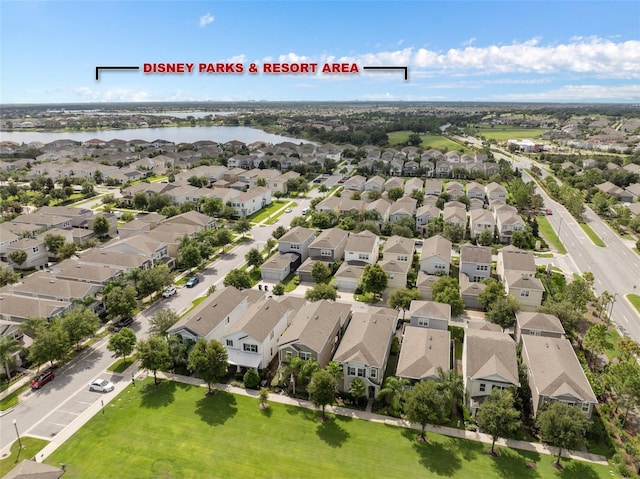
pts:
[635, 300]
[428, 141]
[549, 234]
[174, 430]
[121, 365]
[502, 133]
[11, 399]
[592, 235]
[31, 446]
[264, 213]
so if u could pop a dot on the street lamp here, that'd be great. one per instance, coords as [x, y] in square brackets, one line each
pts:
[15, 425]
[613, 301]
[560, 227]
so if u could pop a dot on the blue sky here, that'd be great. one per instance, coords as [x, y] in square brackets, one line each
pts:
[560, 51]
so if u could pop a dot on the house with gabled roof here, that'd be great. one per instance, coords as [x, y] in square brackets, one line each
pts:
[424, 215]
[279, 266]
[393, 182]
[315, 332]
[212, 317]
[424, 353]
[475, 262]
[533, 323]
[35, 249]
[398, 248]
[555, 374]
[528, 290]
[479, 221]
[488, 362]
[47, 286]
[362, 247]
[475, 190]
[18, 308]
[405, 207]
[455, 215]
[75, 269]
[329, 245]
[470, 292]
[397, 272]
[424, 285]
[364, 350]
[374, 183]
[495, 191]
[515, 260]
[348, 276]
[297, 240]
[251, 341]
[430, 314]
[413, 184]
[383, 207]
[507, 223]
[435, 256]
[355, 183]
[433, 187]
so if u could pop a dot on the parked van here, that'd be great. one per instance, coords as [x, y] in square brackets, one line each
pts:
[305, 211]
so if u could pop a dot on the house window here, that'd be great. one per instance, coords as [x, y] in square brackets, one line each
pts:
[363, 257]
[35, 249]
[585, 407]
[361, 372]
[440, 266]
[294, 246]
[482, 267]
[423, 322]
[351, 371]
[305, 355]
[403, 257]
[373, 373]
[325, 252]
[483, 387]
[288, 355]
[230, 342]
[477, 279]
[250, 348]
[525, 293]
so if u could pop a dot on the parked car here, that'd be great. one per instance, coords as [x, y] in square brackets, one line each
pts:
[305, 211]
[42, 379]
[548, 211]
[123, 323]
[288, 210]
[101, 385]
[191, 282]
[170, 291]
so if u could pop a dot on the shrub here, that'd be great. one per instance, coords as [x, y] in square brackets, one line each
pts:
[251, 379]
[296, 280]
[278, 289]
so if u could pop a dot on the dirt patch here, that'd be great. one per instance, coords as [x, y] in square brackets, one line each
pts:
[531, 465]
[494, 453]
[557, 465]
[264, 405]
[420, 438]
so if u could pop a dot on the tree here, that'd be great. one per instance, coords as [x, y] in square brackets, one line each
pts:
[596, 340]
[8, 346]
[121, 301]
[211, 206]
[152, 280]
[18, 257]
[320, 272]
[357, 389]
[451, 385]
[624, 379]
[485, 238]
[242, 226]
[453, 232]
[392, 391]
[161, 322]
[101, 226]
[153, 354]
[373, 195]
[493, 291]
[80, 323]
[322, 389]
[67, 250]
[321, 291]
[222, 238]
[424, 405]
[278, 289]
[563, 426]
[279, 232]
[395, 194]
[451, 296]
[140, 200]
[503, 311]
[54, 242]
[335, 369]
[7, 276]
[628, 347]
[190, 256]
[566, 313]
[122, 343]
[237, 278]
[401, 299]
[50, 344]
[374, 279]
[263, 397]
[251, 379]
[254, 258]
[497, 416]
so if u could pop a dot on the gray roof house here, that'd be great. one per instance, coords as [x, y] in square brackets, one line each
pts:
[329, 245]
[424, 351]
[532, 323]
[435, 257]
[297, 240]
[475, 262]
[362, 247]
[398, 248]
[429, 314]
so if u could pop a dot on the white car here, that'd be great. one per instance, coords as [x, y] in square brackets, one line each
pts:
[170, 291]
[288, 210]
[101, 385]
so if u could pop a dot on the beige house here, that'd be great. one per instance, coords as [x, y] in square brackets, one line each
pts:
[537, 324]
[435, 257]
[424, 351]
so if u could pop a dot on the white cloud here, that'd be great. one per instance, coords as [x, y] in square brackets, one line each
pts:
[206, 19]
[579, 93]
[113, 94]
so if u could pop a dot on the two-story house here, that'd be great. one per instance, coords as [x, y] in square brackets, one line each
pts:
[297, 240]
[530, 323]
[362, 247]
[481, 220]
[475, 262]
[424, 352]
[435, 257]
[329, 245]
[429, 314]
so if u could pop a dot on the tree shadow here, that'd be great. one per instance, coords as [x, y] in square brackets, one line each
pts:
[267, 411]
[155, 397]
[439, 458]
[215, 410]
[512, 464]
[331, 433]
[469, 450]
[579, 469]
[308, 414]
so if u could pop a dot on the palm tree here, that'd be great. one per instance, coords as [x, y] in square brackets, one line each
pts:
[392, 390]
[335, 369]
[8, 346]
[450, 383]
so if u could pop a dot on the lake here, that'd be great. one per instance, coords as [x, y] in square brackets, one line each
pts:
[176, 134]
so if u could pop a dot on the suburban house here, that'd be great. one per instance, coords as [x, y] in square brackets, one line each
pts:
[297, 240]
[47, 286]
[374, 183]
[355, 183]
[508, 222]
[470, 291]
[488, 362]
[348, 277]
[18, 308]
[362, 247]
[382, 207]
[429, 314]
[364, 349]
[529, 323]
[475, 262]
[251, 201]
[329, 245]
[405, 207]
[279, 266]
[76, 270]
[515, 260]
[555, 374]
[495, 191]
[332, 203]
[398, 248]
[315, 332]
[397, 272]
[479, 221]
[211, 318]
[142, 246]
[251, 341]
[424, 215]
[475, 190]
[435, 257]
[424, 285]
[528, 290]
[413, 184]
[423, 353]
[433, 187]
[36, 250]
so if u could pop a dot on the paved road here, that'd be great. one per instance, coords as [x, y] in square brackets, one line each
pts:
[616, 267]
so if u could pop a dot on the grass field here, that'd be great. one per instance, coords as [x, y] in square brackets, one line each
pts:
[264, 213]
[31, 446]
[174, 430]
[634, 299]
[502, 133]
[550, 235]
[121, 365]
[595, 239]
[428, 141]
